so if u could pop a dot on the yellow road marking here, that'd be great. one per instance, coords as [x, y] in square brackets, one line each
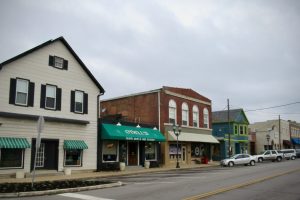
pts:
[251, 182]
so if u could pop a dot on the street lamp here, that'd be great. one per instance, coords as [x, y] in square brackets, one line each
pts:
[177, 131]
[268, 139]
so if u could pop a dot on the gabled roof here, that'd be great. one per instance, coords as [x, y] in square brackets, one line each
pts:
[236, 115]
[186, 92]
[68, 47]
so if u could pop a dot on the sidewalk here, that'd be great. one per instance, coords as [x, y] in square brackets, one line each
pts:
[88, 175]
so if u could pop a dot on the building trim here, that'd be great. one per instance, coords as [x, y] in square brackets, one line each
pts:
[186, 97]
[47, 118]
[132, 95]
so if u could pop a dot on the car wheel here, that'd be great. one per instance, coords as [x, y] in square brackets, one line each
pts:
[252, 163]
[230, 164]
[260, 159]
[278, 159]
[293, 157]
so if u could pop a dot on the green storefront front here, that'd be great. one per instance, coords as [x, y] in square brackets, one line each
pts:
[129, 144]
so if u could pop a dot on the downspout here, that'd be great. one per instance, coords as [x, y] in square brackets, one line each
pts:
[98, 123]
[158, 103]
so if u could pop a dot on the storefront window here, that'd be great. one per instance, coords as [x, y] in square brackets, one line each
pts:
[199, 150]
[73, 157]
[11, 158]
[109, 151]
[150, 151]
[173, 151]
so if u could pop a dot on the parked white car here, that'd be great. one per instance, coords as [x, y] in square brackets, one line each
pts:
[239, 159]
[289, 154]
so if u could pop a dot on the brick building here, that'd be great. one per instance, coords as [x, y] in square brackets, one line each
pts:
[162, 108]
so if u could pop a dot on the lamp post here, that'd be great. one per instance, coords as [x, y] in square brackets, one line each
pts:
[177, 131]
[268, 139]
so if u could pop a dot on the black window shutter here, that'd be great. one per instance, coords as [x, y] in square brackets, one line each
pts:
[72, 101]
[43, 96]
[12, 91]
[65, 65]
[51, 61]
[31, 94]
[58, 98]
[85, 103]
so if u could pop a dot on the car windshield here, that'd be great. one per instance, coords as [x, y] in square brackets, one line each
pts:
[233, 157]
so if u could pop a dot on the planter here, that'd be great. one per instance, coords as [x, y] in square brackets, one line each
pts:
[122, 166]
[147, 164]
[20, 174]
[67, 171]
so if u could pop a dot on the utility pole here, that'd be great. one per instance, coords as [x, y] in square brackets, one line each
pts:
[279, 134]
[229, 147]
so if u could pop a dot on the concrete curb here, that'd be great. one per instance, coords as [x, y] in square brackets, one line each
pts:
[58, 191]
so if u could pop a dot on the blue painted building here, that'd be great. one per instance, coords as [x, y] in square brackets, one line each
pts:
[236, 128]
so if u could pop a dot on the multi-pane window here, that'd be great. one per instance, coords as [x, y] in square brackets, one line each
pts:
[205, 118]
[22, 91]
[172, 112]
[195, 116]
[50, 101]
[185, 114]
[241, 130]
[58, 62]
[79, 101]
[236, 129]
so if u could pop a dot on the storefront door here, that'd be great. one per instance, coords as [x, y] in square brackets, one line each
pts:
[132, 153]
[47, 155]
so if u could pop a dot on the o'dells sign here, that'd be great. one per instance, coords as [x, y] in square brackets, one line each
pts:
[134, 132]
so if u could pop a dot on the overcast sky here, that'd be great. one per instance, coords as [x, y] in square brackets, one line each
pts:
[247, 51]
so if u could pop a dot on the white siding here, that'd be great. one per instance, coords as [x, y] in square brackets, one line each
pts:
[35, 67]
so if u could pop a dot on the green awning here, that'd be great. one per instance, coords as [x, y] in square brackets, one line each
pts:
[115, 132]
[75, 144]
[13, 143]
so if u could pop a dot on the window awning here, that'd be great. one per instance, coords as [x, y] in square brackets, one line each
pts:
[75, 144]
[13, 143]
[193, 137]
[296, 140]
[115, 132]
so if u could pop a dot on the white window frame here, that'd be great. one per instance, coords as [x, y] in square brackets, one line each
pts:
[18, 83]
[22, 161]
[52, 86]
[82, 101]
[205, 118]
[172, 108]
[185, 112]
[195, 116]
[58, 62]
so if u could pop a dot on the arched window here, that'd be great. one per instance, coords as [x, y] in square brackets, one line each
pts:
[205, 118]
[195, 116]
[185, 114]
[172, 111]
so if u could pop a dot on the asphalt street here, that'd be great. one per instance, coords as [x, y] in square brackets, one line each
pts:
[265, 180]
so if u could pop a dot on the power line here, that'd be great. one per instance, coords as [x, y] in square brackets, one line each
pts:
[272, 107]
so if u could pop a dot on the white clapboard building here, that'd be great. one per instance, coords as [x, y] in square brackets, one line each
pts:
[49, 80]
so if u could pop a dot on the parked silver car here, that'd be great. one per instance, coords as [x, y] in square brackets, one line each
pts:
[239, 159]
